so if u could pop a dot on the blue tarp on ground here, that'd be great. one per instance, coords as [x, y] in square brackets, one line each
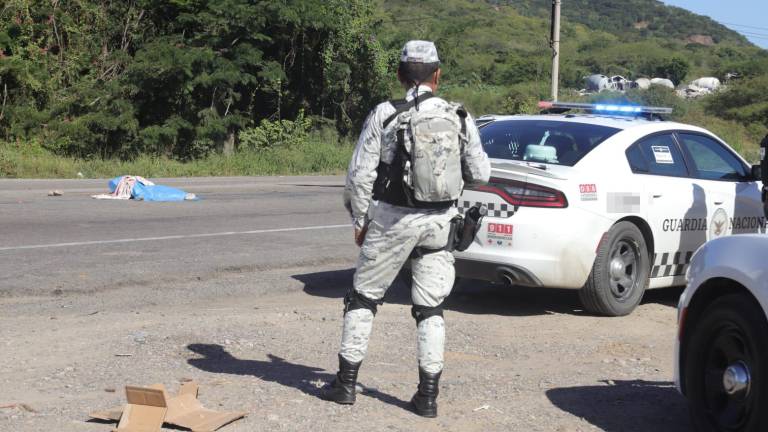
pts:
[151, 193]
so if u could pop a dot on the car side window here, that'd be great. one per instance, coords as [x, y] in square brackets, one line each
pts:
[711, 160]
[658, 155]
[636, 160]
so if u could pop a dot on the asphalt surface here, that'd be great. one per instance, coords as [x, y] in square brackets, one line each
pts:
[73, 243]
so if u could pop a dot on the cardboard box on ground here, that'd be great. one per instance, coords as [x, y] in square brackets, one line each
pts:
[149, 407]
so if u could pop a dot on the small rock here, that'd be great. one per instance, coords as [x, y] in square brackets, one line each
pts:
[55, 193]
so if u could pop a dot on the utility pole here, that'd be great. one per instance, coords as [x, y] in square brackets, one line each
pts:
[555, 42]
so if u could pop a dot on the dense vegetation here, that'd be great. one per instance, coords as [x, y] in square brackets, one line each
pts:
[180, 78]
[272, 79]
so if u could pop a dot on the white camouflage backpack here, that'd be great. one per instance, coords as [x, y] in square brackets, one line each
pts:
[426, 169]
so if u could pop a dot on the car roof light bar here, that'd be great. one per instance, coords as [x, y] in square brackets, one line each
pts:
[603, 108]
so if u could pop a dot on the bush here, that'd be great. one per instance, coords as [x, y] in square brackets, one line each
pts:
[280, 133]
[746, 101]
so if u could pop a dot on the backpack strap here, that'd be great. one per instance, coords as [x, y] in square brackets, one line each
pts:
[402, 105]
[462, 113]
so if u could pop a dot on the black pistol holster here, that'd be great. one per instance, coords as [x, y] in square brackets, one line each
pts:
[464, 229]
[461, 233]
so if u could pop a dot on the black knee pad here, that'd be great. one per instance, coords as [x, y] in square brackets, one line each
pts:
[420, 313]
[354, 300]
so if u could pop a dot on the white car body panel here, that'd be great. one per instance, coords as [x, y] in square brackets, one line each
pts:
[740, 258]
[557, 246]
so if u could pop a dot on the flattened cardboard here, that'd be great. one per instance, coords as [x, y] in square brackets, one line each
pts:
[189, 387]
[186, 411]
[183, 410]
[145, 411]
[112, 414]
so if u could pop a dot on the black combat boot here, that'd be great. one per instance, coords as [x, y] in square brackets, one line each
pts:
[342, 389]
[425, 399]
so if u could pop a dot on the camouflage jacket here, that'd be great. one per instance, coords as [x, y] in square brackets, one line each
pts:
[376, 144]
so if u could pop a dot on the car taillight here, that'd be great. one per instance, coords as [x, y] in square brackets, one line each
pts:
[524, 194]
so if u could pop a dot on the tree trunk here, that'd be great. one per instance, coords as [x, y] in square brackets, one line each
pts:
[229, 144]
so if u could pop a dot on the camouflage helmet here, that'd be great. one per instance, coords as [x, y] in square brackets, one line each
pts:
[419, 51]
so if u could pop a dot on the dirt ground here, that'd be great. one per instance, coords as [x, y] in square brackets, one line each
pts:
[263, 341]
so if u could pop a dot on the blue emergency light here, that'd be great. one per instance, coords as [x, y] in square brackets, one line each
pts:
[604, 108]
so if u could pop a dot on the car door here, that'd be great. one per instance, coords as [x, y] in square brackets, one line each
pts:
[675, 206]
[734, 203]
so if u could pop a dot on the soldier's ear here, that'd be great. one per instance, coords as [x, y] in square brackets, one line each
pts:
[402, 80]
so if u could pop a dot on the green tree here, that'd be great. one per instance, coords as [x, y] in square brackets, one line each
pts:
[673, 68]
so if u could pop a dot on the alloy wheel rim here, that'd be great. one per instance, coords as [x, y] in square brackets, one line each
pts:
[623, 269]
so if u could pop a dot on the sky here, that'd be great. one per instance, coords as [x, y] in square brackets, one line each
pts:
[747, 17]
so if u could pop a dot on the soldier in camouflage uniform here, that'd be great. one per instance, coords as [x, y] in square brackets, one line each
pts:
[388, 235]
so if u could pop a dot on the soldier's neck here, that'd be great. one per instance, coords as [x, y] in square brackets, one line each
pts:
[423, 88]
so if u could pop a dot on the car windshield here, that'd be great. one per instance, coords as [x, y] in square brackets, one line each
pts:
[543, 141]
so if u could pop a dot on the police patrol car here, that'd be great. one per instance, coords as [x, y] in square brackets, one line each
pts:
[610, 202]
[722, 350]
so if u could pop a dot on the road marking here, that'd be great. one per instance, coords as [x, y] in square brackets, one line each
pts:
[172, 237]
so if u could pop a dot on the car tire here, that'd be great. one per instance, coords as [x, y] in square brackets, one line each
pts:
[619, 275]
[730, 334]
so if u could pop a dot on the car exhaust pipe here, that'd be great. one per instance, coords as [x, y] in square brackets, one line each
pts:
[508, 277]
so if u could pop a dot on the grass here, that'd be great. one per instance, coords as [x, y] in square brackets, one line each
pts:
[316, 156]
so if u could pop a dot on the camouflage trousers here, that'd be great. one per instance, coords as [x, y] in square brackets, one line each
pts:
[392, 235]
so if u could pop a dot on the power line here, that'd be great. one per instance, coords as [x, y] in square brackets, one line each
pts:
[754, 34]
[745, 26]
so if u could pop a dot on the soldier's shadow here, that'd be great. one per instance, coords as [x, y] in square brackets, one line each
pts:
[307, 379]
[468, 296]
[476, 297]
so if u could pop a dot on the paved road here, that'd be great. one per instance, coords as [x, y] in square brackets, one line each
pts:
[74, 243]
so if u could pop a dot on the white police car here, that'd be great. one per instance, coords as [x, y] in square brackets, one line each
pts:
[610, 202]
[722, 347]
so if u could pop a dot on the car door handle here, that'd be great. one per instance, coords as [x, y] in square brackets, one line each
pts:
[719, 202]
[657, 195]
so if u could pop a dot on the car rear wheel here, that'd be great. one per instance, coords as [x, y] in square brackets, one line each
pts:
[726, 362]
[620, 273]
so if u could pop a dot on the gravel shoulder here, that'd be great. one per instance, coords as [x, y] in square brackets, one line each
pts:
[517, 359]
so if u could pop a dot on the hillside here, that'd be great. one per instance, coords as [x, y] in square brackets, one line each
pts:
[496, 56]
[506, 42]
[632, 20]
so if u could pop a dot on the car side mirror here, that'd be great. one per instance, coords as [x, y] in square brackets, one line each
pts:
[757, 172]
